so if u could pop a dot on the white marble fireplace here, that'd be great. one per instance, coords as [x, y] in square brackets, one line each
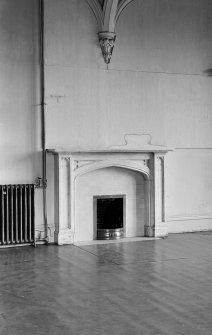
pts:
[81, 176]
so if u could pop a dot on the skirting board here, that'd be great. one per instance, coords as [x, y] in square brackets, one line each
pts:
[189, 224]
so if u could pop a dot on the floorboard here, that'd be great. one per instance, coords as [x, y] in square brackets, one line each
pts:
[160, 287]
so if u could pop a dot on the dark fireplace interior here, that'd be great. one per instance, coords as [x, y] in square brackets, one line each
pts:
[110, 218]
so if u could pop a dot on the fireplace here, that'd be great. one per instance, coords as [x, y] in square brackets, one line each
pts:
[88, 184]
[109, 216]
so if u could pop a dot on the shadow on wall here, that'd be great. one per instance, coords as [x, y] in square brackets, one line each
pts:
[208, 72]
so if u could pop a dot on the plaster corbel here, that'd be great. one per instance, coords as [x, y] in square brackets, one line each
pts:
[107, 16]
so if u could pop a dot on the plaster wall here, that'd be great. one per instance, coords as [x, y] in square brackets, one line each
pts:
[189, 190]
[20, 110]
[19, 93]
[155, 83]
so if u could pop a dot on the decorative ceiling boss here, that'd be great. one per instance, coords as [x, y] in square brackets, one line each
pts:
[107, 13]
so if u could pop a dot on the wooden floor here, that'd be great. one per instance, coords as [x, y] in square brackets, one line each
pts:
[134, 288]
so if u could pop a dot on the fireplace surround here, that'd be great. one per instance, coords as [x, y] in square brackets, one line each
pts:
[82, 176]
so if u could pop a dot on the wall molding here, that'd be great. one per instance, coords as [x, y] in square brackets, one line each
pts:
[188, 217]
[189, 224]
[193, 148]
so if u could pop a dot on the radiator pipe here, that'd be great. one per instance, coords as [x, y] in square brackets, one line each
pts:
[43, 119]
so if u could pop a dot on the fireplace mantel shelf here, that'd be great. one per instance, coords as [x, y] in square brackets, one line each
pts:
[149, 149]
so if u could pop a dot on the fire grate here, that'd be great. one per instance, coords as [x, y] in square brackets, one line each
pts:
[110, 217]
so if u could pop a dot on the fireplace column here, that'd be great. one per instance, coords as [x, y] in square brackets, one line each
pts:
[63, 175]
[158, 226]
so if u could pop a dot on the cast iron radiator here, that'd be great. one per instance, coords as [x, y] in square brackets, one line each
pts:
[17, 223]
